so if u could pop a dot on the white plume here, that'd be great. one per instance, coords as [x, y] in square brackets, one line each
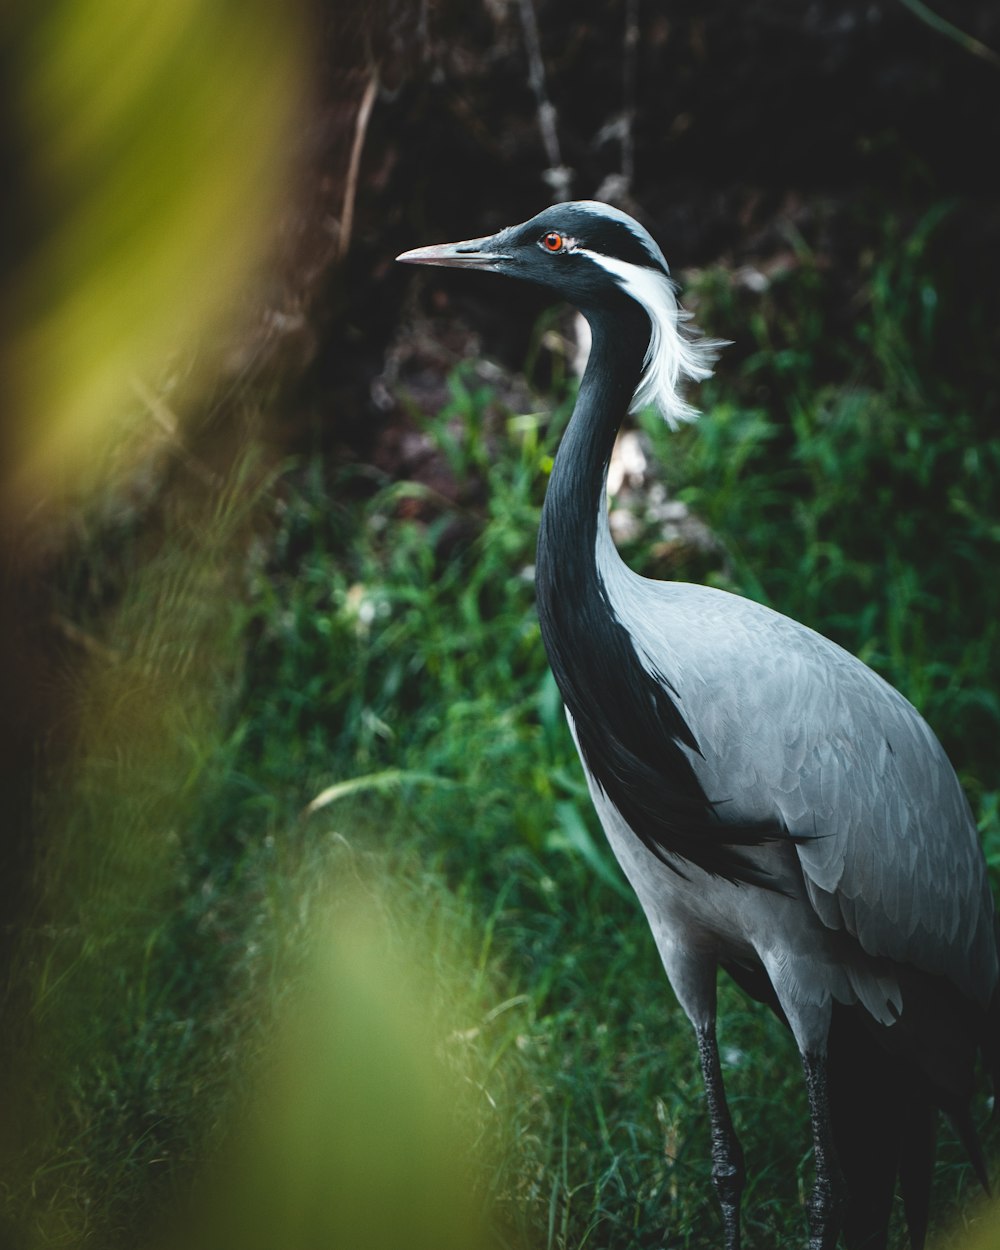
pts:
[676, 354]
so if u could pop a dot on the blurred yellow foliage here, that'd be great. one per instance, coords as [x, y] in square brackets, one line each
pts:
[359, 1139]
[985, 1229]
[151, 149]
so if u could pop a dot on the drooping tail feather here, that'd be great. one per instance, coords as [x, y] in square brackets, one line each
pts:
[884, 1102]
[870, 1111]
[886, 1087]
[991, 1046]
[916, 1164]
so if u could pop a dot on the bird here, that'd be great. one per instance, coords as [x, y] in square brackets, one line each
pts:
[780, 811]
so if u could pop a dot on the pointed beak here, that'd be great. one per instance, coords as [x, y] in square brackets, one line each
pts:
[471, 254]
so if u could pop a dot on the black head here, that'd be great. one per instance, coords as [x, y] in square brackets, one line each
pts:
[596, 257]
[584, 251]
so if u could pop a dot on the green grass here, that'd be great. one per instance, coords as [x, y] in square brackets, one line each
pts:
[196, 1016]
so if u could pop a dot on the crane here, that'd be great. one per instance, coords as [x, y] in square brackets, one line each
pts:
[779, 809]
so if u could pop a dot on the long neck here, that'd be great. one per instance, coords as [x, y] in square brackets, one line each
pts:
[630, 730]
[575, 505]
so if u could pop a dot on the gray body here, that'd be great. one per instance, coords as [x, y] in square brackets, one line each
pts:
[890, 869]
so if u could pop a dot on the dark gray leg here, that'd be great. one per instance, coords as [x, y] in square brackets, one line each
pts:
[727, 1155]
[828, 1201]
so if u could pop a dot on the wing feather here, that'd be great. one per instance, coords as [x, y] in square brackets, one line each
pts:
[791, 725]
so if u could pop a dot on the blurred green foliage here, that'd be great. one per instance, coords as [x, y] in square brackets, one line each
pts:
[371, 724]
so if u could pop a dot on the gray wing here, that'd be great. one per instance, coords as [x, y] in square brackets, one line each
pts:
[789, 723]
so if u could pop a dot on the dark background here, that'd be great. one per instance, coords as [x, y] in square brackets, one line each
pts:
[723, 127]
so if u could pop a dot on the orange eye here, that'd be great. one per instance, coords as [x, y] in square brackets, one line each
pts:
[553, 241]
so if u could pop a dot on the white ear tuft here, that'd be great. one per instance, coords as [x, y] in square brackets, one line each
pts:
[676, 354]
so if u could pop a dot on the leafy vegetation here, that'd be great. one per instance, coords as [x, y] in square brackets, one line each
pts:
[362, 724]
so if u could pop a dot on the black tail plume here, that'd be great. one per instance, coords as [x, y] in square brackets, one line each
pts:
[871, 1114]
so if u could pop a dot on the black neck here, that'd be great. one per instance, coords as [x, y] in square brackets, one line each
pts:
[575, 496]
[631, 733]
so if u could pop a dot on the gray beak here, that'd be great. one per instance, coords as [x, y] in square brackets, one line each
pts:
[471, 254]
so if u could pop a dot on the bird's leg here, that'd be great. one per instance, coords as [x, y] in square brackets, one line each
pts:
[828, 1201]
[728, 1172]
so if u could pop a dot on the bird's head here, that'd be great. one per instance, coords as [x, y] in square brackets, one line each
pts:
[594, 255]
